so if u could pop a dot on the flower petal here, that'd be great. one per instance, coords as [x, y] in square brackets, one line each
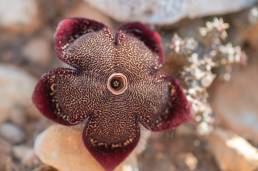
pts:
[110, 137]
[139, 53]
[84, 44]
[179, 109]
[165, 104]
[150, 38]
[61, 96]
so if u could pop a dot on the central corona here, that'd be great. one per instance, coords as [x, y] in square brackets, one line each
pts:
[117, 83]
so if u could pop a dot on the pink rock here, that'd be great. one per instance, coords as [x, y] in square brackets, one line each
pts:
[62, 147]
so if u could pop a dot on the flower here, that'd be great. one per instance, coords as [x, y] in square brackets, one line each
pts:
[114, 86]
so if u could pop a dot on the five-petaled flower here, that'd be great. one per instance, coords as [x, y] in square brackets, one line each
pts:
[114, 86]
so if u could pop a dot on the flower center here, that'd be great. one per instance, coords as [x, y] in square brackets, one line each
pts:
[117, 83]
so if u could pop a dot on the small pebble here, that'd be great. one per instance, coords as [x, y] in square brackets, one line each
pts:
[19, 16]
[38, 51]
[18, 117]
[22, 152]
[11, 133]
[16, 90]
[6, 163]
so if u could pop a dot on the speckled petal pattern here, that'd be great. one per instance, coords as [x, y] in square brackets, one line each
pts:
[114, 87]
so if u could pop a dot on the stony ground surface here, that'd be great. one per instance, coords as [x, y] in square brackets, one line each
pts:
[27, 51]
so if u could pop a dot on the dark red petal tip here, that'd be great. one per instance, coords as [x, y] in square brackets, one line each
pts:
[150, 38]
[71, 29]
[179, 108]
[110, 158]
[43, 95]
[110, 151]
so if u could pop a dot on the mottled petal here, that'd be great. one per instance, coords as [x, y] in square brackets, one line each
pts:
[150, 38]
[134, 58]
[165, 105]
[84, 44]
[178, 109]
[110, 137]
[61, 96]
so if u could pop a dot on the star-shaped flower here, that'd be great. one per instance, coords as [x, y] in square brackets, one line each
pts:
[115, 85]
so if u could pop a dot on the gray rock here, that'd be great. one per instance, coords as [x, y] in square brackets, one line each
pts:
[166, 11]
[85, 10]
[12, 133]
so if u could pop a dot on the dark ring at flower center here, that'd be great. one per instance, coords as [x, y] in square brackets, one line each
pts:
[117, 83]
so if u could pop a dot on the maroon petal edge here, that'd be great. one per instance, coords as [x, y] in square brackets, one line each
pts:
[68, 30]
[41, 96]
[150, 38]
[107, 157]
[180, 109]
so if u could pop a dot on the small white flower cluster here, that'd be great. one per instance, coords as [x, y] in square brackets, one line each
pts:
[204, 61]
[216, 29]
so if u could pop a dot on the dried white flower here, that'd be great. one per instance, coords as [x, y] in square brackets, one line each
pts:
[197, 74]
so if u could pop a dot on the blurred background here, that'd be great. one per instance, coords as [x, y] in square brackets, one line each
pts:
[210, 46]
